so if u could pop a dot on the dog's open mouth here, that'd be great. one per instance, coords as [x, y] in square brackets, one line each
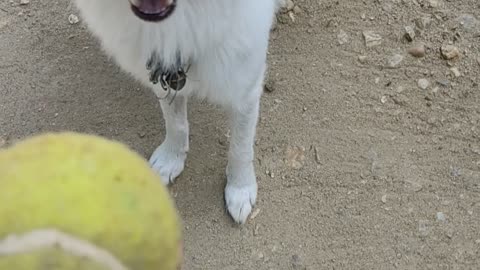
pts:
[153, 10]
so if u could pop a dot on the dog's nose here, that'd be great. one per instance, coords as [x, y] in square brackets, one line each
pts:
[152, 6]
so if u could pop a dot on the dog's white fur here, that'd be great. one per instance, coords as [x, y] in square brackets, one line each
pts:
[226, 41]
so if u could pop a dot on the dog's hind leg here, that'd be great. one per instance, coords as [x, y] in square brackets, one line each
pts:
[169, 158]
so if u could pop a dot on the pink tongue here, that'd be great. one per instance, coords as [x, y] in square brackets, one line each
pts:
[152, 6]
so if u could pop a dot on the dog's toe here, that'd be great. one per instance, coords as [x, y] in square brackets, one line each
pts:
[240, 201]
[168, 163]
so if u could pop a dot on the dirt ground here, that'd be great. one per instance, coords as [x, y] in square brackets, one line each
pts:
[367, 157]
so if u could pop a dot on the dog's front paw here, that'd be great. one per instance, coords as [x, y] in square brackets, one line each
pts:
[240, 201]
[168, 162]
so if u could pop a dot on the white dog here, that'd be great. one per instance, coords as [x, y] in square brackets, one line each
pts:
[214, 49]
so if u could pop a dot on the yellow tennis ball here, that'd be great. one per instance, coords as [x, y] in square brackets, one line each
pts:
[79, 202]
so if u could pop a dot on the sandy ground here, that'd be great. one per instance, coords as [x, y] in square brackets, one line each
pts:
[358, 166]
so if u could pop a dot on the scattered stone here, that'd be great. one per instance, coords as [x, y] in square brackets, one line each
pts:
[450, 52]
[468, 22]
[444, 82]
[410, 33]
[291, 15]
[342, 37]
[423, 227]
[433, 3]
[297, 10]
[297, 262]
[24, 2]
[256, 230]
[270, 85]
[372, 39]
[417, 50]
[289, 5]
[317, 155]
[441, 217]
[73, 19]
[383, 99]
[255, 214]
[395, 61]
[3, 22]
[384, 198]
[423, 83]
[455, 72]
[423, 23]
[295, 157]
[363, 59]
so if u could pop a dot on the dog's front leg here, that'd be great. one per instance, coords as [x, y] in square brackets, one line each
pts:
[169, 158]
[241, 189]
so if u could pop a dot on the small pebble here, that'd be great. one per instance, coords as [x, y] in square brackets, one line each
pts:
[441, 217]
[384, 198]
[450, 52]
[409, 33]
[372, 39]
[363, 59]
[423, 84]
[289, 5]
[418, 50]
[423, 22]
[342, 37]
[455, 72]
[255, 213]
[73, 19]
[395, 61]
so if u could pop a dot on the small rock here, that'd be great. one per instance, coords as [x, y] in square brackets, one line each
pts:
[372, 39]
[3, 22]
[363, 59]
[295, 157]
[256, 230]
[418, 50]
[395, 60]
[478, 61]
[455, 72]
[24, 2]
[2, 142]
[383, 99]
[468, 22]
[270, 85]
[384, 198]
[422, 227]
[441, 217]
[409, 33]
[317, 155]
[434, 3]
[297, 10]
[291, 15]
[423, 84]
[342, 37]
[289, 5]
[255, 213]
[297, 262]
[423, 23]
[73, 19]
[450, 52]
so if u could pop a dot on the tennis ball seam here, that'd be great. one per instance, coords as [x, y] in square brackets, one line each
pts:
[14, 244]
